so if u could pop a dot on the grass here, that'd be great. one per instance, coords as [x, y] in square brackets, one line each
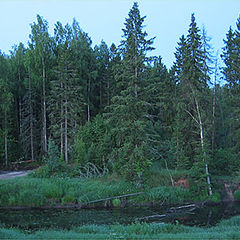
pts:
[36, 192]
[227, 229]
[158, 176]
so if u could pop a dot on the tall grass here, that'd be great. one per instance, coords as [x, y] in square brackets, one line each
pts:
[227, 229]
[35, 192]
[159, 176]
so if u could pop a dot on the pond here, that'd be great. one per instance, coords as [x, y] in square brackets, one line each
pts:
[35, 219]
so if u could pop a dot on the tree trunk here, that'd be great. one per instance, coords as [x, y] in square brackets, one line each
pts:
[44, 109]
[66, 132]
[20, 116]
[135, 84]
[214, 106]
[202, 145]
[108, 92]
[88, 105]
[31, 118]
[61, 125]
[5, 138]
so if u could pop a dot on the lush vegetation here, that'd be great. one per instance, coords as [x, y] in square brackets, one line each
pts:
[35, 192]
[227, 229]
[67, 104]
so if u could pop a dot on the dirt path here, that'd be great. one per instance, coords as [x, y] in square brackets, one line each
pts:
[6, 175]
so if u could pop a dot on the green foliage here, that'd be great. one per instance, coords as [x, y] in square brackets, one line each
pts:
[115, 107]
[169, 195]
[160, 176]
[68, 199]
[215, 197]
[227, 229]
[237, 195]
[41, 172]
[93, 143]
[42, 191]
[198, 179]
[225, 162]
[53, 159]
[116, 202]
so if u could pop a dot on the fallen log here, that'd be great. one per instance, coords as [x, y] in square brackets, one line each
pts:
[111, 198]
[153, 216]
[23, 162]
[187, 208]
[173, 209]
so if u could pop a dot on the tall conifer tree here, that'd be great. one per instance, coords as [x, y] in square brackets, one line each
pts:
[128, 109]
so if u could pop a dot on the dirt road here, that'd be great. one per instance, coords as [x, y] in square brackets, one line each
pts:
[6, 175]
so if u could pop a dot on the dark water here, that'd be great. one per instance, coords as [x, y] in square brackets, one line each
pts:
[66, 219]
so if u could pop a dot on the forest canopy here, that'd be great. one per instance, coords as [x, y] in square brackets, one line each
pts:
[115, 107]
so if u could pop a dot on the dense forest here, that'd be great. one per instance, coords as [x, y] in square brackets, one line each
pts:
[116, 107]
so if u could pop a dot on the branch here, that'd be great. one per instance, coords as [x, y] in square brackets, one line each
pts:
[192, 117]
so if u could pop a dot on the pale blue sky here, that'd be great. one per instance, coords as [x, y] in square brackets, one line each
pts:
[104, 19]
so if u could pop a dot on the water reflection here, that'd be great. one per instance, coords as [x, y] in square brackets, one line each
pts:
[66, 219]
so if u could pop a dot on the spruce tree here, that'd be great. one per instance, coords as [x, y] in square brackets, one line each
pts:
[192, 95]
[231, 73]
[66, 102]
[128, 111]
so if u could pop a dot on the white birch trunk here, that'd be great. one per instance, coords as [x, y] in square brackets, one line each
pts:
[202, 145]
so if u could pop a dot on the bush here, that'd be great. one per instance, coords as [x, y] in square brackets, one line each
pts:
[237, 195]
[53, 158]
[41, 172]
[223, 158]
[68, 199]
[215, 197]
[198, 182]
[93, 143]
[116, 202]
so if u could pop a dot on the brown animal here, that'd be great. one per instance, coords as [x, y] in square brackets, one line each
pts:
[182, 182]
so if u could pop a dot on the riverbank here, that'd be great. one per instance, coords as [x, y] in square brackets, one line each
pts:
[64, 190]
[99, 192]
[227, 229]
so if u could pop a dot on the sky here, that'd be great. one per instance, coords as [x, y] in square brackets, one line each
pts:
[167, 20]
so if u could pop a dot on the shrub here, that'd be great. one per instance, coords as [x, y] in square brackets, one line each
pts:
[223, 158]
[215, 197]
[41, 172]
[237, 195]
[116, 202]
[68, 199]
[53, 158]
[93, 143]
